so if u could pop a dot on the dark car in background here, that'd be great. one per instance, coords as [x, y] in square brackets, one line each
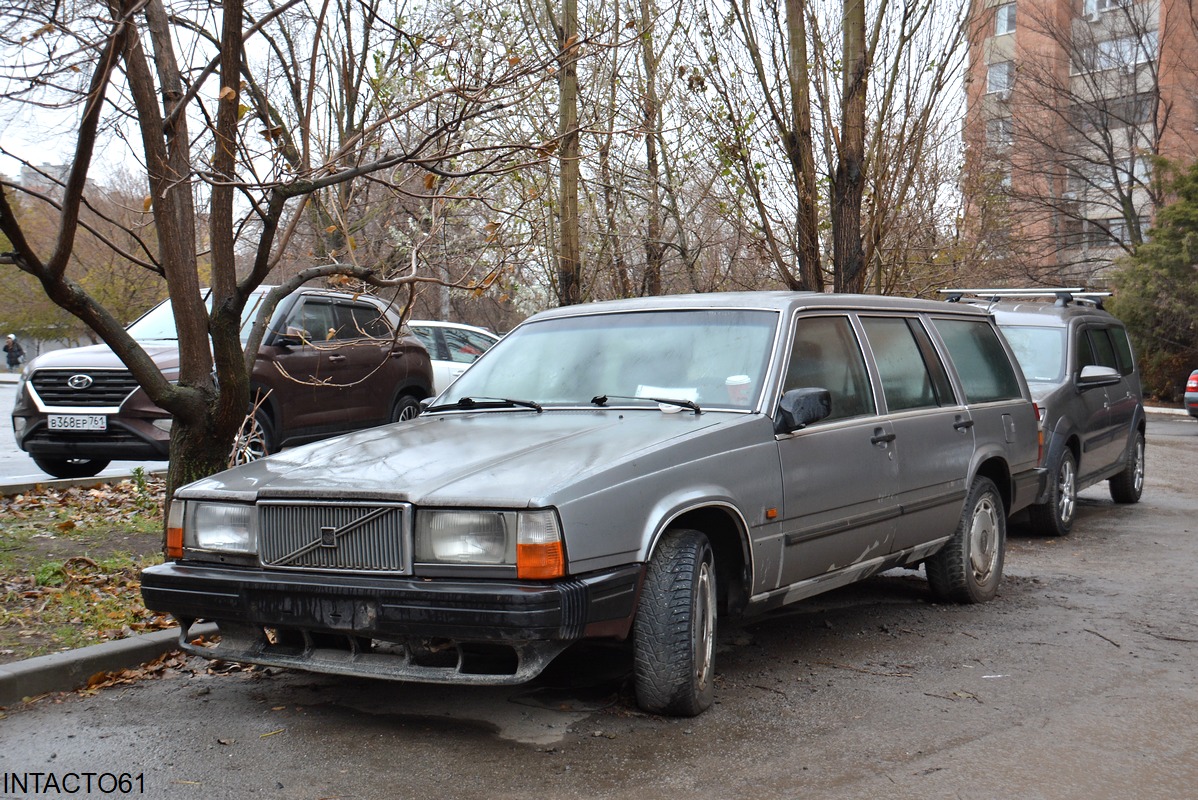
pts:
[329, 363]
[1080, 366]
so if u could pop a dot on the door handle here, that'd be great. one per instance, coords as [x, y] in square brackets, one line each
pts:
[881, 437]
[336, 357]
[963, 424]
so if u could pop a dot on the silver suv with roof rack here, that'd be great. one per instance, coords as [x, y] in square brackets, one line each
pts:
[1082, 372]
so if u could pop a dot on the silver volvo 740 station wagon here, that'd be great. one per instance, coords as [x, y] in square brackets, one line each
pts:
[633, 470]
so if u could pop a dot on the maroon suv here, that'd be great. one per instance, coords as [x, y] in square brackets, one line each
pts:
[329, 363]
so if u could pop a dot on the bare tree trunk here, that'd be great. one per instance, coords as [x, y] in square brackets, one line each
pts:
[654, 248]
[569, 260]
[849, 180]
[799, 149]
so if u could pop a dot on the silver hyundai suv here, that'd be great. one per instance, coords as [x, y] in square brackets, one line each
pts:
[1079, 364]
[629, 471]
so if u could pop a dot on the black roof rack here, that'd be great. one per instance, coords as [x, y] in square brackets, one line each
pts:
[1064, 296]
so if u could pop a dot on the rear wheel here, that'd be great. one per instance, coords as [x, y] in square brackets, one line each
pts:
[1055, 516]
[255, 440]
[969, 568]
[675, 628]
[1128, 485]
[71, 467]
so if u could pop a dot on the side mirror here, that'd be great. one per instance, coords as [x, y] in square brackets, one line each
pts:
[1094, 375]
[798, 408]
[292, 337]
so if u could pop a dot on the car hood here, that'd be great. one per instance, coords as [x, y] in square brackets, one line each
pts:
[100, 356]
[494, 458]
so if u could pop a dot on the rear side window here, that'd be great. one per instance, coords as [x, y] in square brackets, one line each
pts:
[826, 355]
[1101, 349]
[912, 375]
[1127, 364]
[986, 373]
[361, 321]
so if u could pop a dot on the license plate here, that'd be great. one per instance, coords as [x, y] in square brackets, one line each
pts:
[77, 422]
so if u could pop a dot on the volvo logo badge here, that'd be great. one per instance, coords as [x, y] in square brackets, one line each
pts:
[80, 382]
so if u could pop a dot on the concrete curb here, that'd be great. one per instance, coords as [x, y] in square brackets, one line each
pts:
[64, 672]
[9, 489]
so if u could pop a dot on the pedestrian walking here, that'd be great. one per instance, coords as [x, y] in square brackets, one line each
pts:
[13, 352]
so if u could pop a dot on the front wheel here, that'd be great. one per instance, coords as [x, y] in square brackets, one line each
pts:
[1128, 484]
[969, 568]
[71, 467]
[1055, 516]
[675, 628]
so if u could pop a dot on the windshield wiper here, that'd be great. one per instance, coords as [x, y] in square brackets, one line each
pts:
[601, 400]
[473, 403]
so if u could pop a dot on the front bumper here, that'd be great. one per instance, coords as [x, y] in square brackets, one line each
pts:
[124, 440]
[440, 630]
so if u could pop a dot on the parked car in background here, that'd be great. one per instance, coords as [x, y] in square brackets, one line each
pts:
[329, 363]
[452, 347]
[632, 470]
[1079, 363]
[1191, 399]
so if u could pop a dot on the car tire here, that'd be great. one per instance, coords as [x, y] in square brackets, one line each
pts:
[255, 440]
[406, 407]
[675, 628]
[1128, 484]
[969, 568]
[1055, 516]
[71, 467]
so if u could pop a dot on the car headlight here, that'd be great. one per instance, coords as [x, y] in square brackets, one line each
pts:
[531, 541]
[220, 527]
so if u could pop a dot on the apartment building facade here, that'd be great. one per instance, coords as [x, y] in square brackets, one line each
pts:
[1068, 104]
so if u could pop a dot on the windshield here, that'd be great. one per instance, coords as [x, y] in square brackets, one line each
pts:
[159, 321]
[715, 358]
[1040, 351]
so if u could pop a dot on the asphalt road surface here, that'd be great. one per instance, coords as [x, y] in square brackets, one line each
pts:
[1079, 681]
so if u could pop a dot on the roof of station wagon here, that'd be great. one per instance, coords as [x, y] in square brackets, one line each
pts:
[770, 301]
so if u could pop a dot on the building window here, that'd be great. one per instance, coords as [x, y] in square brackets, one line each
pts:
[1106, 176]
[1122, 52]
[1108, 114]
[1000, 133]
[1099, 232]
[1000, 77]
[1004, 19]
[1092, 8]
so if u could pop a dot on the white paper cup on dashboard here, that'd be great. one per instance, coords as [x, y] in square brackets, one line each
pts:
[738, 389]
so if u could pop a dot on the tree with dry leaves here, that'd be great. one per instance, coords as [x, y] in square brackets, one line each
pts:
[239, 119]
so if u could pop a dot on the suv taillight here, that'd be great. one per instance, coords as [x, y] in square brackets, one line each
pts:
[1192, 383]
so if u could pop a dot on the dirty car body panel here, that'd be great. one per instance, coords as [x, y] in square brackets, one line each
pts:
[596, 460]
